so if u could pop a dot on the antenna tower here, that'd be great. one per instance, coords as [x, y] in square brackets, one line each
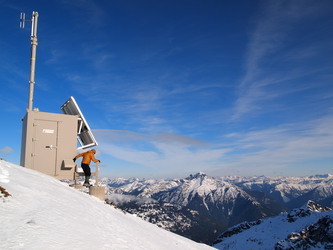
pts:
[34, 44]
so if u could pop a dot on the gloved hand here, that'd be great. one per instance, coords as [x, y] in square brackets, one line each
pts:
[74, 159]
[99, 161]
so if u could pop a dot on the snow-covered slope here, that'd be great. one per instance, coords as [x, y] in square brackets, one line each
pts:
[43, 213]
[309, 228]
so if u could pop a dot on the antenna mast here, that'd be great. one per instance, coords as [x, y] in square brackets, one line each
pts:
[34, 44]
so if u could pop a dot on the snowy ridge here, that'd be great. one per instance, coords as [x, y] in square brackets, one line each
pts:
[282, 189]
[41, 212]
[300, 229]
[140, 188]
[210, 190]
[180, 191]
[292, 192]
[208, 205]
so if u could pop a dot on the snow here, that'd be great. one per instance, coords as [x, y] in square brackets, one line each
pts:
[44, 213]
[269, 232]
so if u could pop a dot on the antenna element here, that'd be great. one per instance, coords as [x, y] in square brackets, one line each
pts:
[22, 20]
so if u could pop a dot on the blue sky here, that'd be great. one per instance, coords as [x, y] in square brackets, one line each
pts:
[171, 88]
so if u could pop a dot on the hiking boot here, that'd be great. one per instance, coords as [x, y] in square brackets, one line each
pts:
[86, 181]
[87, 184]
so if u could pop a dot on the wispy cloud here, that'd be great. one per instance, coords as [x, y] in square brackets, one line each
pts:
[270, 47]
[286, 149]
[154, 105]
[280, 149]
[163, 153]
[91, 11]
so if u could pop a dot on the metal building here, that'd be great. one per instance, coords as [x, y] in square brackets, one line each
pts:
[49, 143]
[49, 140]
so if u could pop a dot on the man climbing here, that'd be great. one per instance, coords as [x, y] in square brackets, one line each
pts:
[87, 158]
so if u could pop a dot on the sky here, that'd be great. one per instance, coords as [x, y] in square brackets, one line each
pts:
[171, 88]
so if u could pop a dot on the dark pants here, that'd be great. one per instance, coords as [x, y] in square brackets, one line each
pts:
[86, 169]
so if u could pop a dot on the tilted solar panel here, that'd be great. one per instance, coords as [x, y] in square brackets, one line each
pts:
[84, 134]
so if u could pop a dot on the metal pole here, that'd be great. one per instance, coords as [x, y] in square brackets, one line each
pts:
[97, 174]
[33, 58]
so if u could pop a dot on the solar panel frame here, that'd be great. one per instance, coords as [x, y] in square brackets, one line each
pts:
[84, 135]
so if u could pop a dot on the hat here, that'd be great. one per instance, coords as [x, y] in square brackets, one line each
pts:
[94, 151]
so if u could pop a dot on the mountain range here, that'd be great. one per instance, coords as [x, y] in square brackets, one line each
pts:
[201, 207]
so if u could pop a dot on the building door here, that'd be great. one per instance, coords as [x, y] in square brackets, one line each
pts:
[44, 149]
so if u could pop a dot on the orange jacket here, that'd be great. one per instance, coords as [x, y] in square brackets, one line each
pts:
[87, 157]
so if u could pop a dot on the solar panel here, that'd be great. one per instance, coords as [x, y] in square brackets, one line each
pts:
[84, 134]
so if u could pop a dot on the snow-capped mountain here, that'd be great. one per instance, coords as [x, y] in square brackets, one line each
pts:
[205, 206]
[40, 212]
[201, 207]
[291, 192]
[309, 228]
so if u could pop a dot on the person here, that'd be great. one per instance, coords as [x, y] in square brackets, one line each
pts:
[87, 158]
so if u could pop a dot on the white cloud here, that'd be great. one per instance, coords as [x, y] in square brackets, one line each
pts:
[270, 150]
[165, 153]
[121, 198]
[269, 48]
[267, 152]
[6, 150]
